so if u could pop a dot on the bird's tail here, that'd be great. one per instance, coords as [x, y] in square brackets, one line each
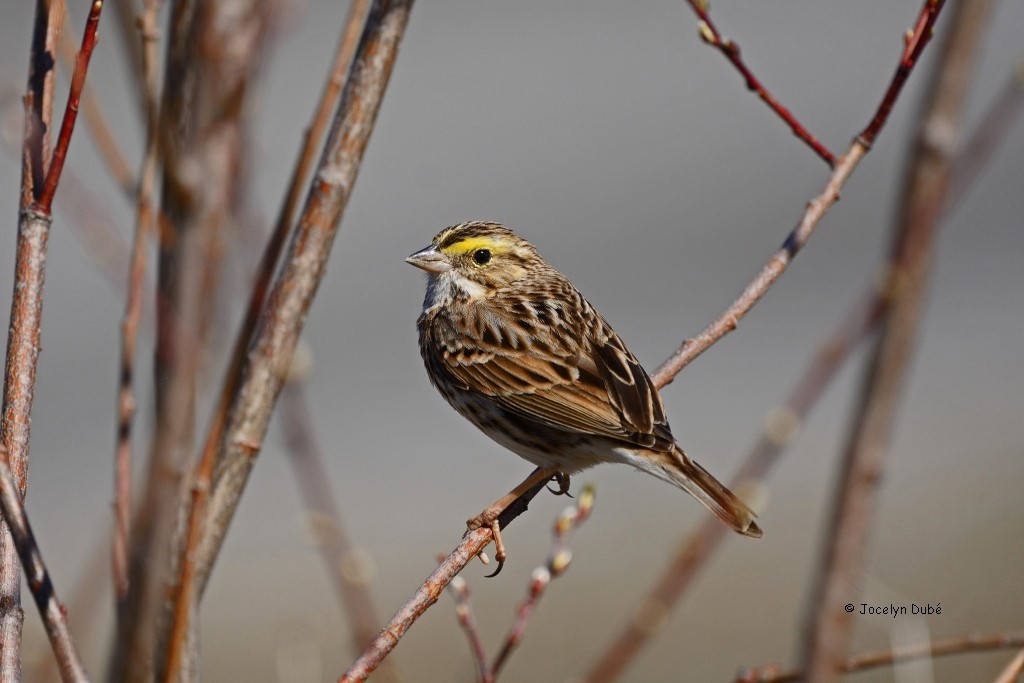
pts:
[698, 482]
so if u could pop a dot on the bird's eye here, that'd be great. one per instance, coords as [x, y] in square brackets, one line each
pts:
[482, 256]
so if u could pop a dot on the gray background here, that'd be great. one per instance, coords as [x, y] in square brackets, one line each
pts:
[633, 156]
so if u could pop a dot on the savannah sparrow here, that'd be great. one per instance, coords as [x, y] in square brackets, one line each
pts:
[515, 348]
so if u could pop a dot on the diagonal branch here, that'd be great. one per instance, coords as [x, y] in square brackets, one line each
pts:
[710, 35]
[816, 209]
[274, 340]
[828, 626]
[55, 618]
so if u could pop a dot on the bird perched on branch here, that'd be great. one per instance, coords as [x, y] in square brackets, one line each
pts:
[514, 347]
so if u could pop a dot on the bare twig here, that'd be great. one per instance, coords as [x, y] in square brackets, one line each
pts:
[780, 428]
[459, 589]
[557, 564]
[916, 39]
[145, 227]
[38, 577]
[758, 287]
[274, 341]
[816, 209]
[471, 546]
[828, 625]
[993, 127]
[67, 126]
[204, 151]
[710, 35]
[870, 660]
[1013, 671]
[96, 121]
[344, 562]
[27, 307]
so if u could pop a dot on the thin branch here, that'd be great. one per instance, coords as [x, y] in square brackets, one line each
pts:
[471, 546]
[828, 625]
[758, 287]
[347, 43]
[557, 564]
[26, 314]
[344, 562]
[816, 209]
[54, 616]
[988, 133]
[67, 126]
[710, 35]
[145, 227]
[289, 300]
[915, 41]
[459, 590]
[97, 122]
[871, 660]
[1013, 671]
[204, 149]
[780, 429]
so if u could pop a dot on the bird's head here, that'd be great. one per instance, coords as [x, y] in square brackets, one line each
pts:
[477, 258]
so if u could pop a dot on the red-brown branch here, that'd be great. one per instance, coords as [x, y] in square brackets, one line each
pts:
[709, 33]
[916, 39]
[67, 126]
[828, 625]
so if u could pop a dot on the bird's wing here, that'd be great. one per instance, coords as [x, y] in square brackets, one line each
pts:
[594, 387]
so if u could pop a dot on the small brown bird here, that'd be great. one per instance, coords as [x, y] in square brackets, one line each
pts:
[515, 348]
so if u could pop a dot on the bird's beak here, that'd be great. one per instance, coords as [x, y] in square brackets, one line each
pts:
[430, 259]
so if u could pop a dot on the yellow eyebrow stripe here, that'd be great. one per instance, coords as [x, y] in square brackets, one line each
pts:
[471, 244]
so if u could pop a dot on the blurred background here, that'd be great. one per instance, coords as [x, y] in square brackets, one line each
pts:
[633, 156]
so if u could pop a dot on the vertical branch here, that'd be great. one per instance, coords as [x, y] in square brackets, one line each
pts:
[828, 625]
[145, 227]
[213, 54]
[40, 175]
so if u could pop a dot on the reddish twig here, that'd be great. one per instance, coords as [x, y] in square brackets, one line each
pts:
[558, 561]
[96, 121]
[871, 660]
[53, 614]
[915, 41]
[816, 209]
[459, 590]
[710, 35]
[145, 227]
[828, 625]
[67, 126]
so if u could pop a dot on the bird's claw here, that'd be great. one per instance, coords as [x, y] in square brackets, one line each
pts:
[562, 479]
[490, 520]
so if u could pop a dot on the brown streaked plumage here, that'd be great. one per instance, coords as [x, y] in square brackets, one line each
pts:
[515, 348]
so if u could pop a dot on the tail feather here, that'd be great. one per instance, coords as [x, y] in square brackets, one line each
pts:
[698, 482]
